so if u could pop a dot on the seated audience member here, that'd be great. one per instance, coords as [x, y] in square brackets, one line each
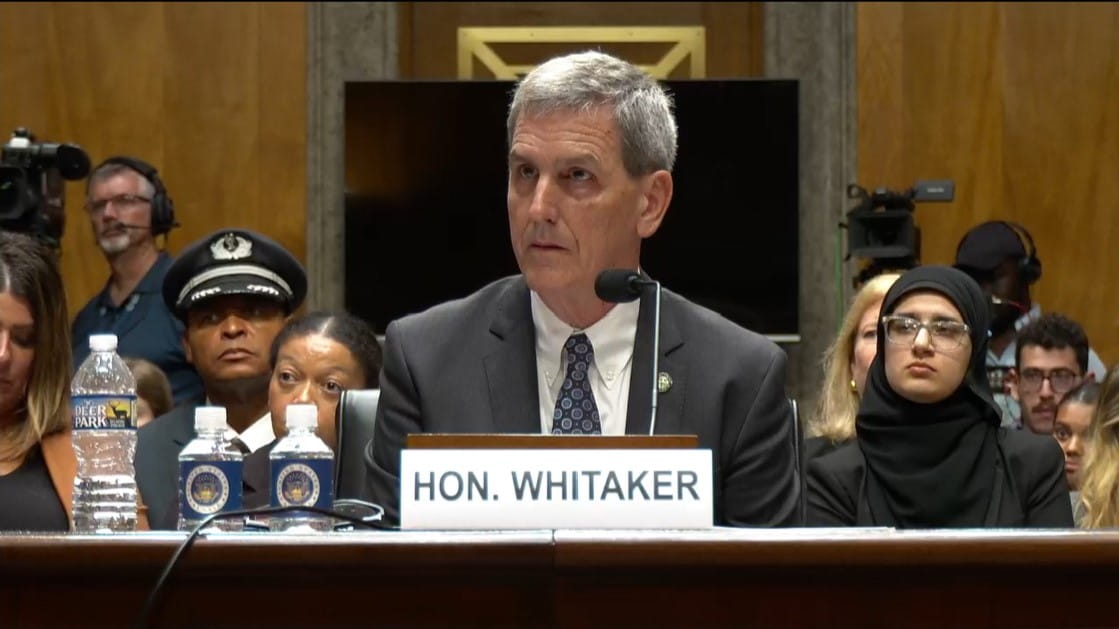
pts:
[1072, 430]
[1099, 478]
[314, 359]
[129, 209]
[592, 142]
[234, 290]
[1051, 358]
[1001, 257]
[153, 390]
[37, 462]
[928, 451]
[845, 366]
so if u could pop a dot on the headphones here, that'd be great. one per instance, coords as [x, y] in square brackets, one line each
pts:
[1029, 266]
[163, 209]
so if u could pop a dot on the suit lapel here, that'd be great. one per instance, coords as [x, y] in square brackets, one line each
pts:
[670, 404]
[511, 366]
[182, 429]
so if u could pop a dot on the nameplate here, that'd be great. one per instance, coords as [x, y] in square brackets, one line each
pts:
[533, 489]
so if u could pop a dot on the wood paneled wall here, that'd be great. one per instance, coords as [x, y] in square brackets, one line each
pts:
[428, 30]
[1019, 103]
[212, 94]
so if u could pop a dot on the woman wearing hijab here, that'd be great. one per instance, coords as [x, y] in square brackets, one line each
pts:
[928, 450]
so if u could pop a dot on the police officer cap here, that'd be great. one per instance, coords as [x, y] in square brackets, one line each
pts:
[234, 262]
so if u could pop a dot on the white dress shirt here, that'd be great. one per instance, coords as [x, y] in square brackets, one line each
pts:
[612, 338]
[256, 436]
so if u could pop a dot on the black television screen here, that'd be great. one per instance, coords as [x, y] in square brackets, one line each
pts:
[425, 203]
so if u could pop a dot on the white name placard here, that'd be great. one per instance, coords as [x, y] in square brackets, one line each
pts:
[532, 489]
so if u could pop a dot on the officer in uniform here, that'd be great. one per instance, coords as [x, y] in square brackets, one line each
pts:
[233, 290]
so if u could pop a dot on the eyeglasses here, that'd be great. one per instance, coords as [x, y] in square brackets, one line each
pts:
[123, 201]
[1060, 380]
[943, 335]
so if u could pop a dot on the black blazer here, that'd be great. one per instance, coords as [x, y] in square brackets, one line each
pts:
[1030, 489]
[469, 366]
[158, 445]
[255, 478]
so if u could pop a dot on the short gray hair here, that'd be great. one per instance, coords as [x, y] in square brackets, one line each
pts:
[585, 80]
[108, 170]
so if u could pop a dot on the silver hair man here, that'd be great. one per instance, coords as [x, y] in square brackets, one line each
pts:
[582, 81]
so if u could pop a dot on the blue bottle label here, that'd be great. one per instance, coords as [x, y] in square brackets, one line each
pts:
[104, 412]
[303, 483]
[209, 487]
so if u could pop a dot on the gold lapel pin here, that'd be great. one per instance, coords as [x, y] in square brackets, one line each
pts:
[664, 382]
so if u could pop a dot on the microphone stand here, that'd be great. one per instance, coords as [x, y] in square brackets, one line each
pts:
[656, 357]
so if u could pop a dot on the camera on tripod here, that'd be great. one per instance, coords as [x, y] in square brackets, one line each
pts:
[881, 228]
[32, 184]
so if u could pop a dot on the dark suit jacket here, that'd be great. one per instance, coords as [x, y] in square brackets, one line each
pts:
[469, 366]
[255, 476]
[158, 445]
[1030, 489]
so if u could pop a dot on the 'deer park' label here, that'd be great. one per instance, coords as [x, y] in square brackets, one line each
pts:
[104, 412]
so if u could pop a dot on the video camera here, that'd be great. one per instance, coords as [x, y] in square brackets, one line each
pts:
[881, 226]
[32, 186]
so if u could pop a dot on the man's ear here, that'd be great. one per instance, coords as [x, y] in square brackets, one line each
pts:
[186, 348]
[1010, 383]
[657, 194]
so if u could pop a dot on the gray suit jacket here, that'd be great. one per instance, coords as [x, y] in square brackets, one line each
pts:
[469, 366]
[158, 445]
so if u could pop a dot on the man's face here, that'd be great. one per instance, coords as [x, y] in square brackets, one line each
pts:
[1043, 376]
[574, 211]
[117, 201]
[1004, 282]
[228, 338]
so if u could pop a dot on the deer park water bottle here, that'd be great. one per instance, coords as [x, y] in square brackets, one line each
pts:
[103, 399]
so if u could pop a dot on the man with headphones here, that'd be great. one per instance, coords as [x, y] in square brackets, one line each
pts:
[1002, 258]
[128, 208]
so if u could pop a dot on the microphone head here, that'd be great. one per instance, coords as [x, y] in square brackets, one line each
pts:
[618, 285]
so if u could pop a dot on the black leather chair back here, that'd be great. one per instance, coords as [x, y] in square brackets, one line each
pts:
[354, 421]
[798, 453]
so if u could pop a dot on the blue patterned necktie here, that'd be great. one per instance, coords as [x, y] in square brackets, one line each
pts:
[576, 413]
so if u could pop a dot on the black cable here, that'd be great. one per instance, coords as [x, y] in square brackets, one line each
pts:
[153, 596]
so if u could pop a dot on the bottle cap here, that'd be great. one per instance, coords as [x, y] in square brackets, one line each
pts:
[103, 342]
[302, 416]
[209, 418]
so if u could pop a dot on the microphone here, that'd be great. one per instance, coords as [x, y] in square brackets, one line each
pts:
[128, 226]
[999, 301]
[620, 285]
[626, 285]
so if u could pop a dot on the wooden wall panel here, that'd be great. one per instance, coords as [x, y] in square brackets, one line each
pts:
[1017, 102]
[428, 30]
[214, 95]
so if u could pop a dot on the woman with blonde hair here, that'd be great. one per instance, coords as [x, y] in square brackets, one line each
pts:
[1099, 479]
[37, 462]
[845, 365]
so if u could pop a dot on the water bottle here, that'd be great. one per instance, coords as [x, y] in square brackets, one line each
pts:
[210, 469]
[103, 399]
[302, 473]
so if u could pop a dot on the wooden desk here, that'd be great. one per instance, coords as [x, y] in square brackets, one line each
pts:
[565, 578]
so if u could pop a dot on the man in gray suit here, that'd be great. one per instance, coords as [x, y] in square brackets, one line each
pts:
[592, 141]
